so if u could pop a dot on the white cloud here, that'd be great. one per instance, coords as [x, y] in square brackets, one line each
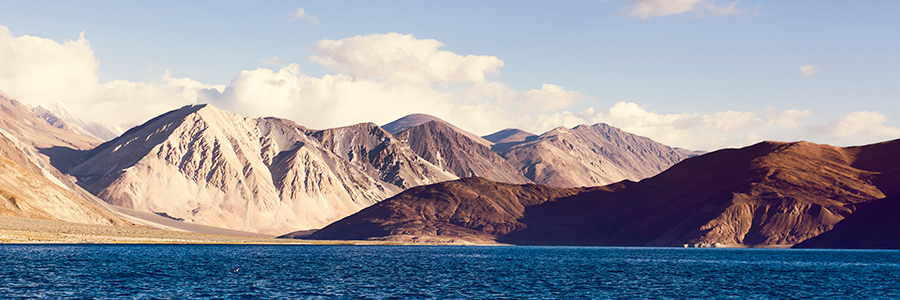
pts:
[858, 128]
[273, 61]
[654, 8]
[394, 56]
[329, 101]
[549, 98]
[300, 14]
[697, 131]
[43, 70]
[122, 102]
[808, 70]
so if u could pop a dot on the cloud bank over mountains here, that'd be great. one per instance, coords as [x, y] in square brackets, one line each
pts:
[382, 77]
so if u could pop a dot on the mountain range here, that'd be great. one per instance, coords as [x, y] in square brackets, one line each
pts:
[207, 166]
[200, 168]
[768, 194]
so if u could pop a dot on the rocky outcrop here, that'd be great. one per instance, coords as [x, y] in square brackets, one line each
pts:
[768, 194]
[589, 156]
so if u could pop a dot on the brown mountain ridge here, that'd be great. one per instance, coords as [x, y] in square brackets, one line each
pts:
[768, 194]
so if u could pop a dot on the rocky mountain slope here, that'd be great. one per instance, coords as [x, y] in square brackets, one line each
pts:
[413, 120]
[204, 165]
[53, 194]
[448, 149]
[768, 194]
[29, 190]
[380, 155]
[587, 156]
[507, 138]
[875, 226]
[58, 146]
[563, 157]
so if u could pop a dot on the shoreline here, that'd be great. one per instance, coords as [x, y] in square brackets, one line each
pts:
[24, 231]
[16, 230]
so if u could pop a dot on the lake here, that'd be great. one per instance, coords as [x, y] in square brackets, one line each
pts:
[404, 272]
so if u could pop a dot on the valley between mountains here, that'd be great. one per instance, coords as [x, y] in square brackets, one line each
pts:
[421, 179]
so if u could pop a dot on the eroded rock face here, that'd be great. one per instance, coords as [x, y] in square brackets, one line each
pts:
[767, 194]
[380, 155]
[455, 152]
[589, 156]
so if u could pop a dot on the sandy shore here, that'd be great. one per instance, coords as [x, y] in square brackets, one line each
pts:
[36, 231]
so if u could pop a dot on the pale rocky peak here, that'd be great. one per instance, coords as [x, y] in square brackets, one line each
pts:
[381, 155]
[59, 116]
[413, 120]
[509, 135]
[590, 155]
[507, 138]
[211, 167]
[455, 152]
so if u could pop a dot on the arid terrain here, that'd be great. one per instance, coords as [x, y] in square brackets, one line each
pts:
[770, 194]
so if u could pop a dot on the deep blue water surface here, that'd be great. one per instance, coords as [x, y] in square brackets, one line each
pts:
[401, 272]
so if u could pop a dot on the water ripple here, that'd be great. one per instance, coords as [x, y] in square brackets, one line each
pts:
[422, 272]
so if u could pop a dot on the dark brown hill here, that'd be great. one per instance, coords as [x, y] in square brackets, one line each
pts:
[875, 226]
[768, 194]
[470, 209]
[455, 152]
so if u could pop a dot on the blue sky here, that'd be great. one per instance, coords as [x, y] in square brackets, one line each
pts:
[701, 74]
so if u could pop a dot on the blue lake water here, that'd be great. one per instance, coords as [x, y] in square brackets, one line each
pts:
[402, 272]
